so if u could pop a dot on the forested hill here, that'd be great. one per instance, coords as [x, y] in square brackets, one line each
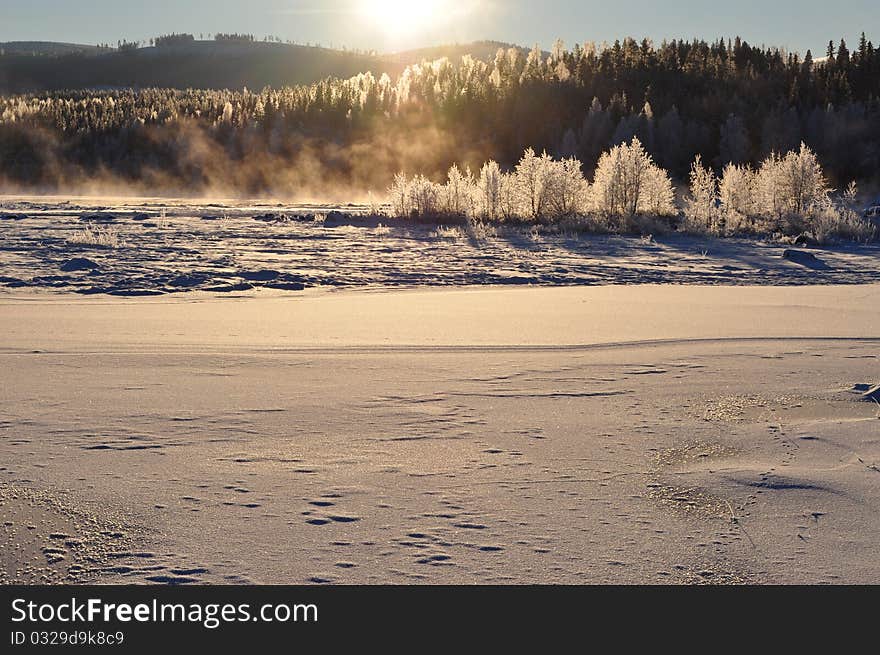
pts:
[225, 64]
[47, 49]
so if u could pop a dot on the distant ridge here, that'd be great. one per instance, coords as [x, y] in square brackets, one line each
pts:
[47, 48]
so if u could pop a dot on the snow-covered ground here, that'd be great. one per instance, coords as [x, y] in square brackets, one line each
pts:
[643, 433]
[227, 247]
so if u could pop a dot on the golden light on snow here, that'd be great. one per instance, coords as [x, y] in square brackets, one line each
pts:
[400, 17]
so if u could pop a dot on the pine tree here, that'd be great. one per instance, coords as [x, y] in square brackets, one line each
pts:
[842, 55]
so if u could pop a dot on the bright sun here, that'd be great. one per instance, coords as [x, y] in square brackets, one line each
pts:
[402, 16]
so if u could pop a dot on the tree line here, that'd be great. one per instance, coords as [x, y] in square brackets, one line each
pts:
[725, 101]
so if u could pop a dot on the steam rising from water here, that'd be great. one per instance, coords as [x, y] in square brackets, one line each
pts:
[311, 169]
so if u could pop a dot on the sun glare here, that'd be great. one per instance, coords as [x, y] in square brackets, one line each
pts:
[402, 16]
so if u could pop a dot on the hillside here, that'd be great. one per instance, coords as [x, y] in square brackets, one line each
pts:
[200, 64]
[47, 49]
[482, 50]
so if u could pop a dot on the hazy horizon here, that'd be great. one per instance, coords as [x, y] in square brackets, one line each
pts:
[391, 25]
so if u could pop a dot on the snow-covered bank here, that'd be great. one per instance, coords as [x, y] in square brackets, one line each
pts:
[154, 247]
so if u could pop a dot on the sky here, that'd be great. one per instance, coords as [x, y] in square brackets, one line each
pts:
[390, 25]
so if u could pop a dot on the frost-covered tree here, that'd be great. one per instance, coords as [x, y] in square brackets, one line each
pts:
[565, 189]
[791, 185]
[769, 196]
[398, 196]
[658, 198]
[531, 176]
[489, 191]
[424, 196]
[627, 182]
[418, 196]
[701, 207]
[619, 179]
[227, 112]
[534, 66]
[737, 191]
[457, 196]
[803, 182]
[508, 197]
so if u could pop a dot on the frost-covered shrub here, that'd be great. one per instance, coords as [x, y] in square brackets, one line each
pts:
[97, 235]
[841, 221]
[830, 223]
[447, 232]
[478, 231]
